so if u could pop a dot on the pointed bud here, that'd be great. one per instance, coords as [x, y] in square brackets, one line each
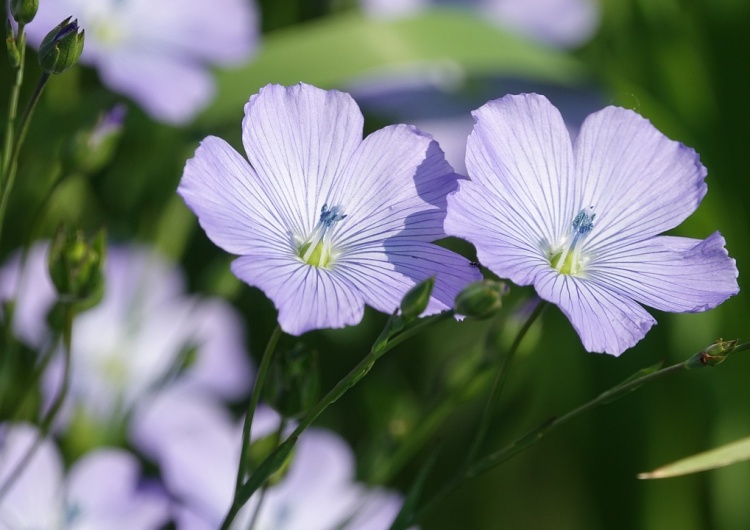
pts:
[61, 48]
[24, 11]
[715, 354]
[91, 149]
[14, 56]
[76, 267]
[416, 299]
[481, 299]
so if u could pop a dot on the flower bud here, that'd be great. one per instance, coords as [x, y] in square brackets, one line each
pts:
[14, 55]
[24, 11]
[416, 299]
[260, 449]
[76, 267]
[293, 382]
[61, 48]
[91, 149]
[481, 299]
[714, 354]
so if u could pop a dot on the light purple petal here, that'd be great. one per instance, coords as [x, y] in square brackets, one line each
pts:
[639, 182]
[36, 498]
[170, 90]
[299, 140]
[377, 511]
[606, 321]
[520, 153]
[307, 297]
[231, 204]
[103, 488]
[671, 273]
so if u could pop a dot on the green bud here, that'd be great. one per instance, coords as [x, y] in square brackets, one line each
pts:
[91, 149]
[293, 381]
[14, 55]
[24, 11]
[481, 299]
[61, 48]
[260, 449]
[416, 299]
[715, 354]
[76, 267]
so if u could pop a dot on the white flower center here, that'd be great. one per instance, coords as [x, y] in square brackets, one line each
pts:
[568, 259]
[317, 250]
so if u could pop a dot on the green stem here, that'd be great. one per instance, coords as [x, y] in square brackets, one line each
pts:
[533, 436]
[382, 344]
[51, 415]
[12, 165]
[262, 495]
[15, 92]
[499, 383]
[260, 381]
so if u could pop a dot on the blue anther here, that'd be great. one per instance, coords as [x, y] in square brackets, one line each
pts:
[328, 217]
[583, 223]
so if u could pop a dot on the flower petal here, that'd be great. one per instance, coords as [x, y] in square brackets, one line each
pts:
[299, 140]
[606, 321]
[223, 191]
[671, 273]
[396, 182]
[307, 297]
[520, 151]
[505, 243]
[383, 276]
[169, 89]
[639, 182]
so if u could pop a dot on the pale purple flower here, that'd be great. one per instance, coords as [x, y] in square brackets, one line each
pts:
[101, 490]
[318, 492]
[581, 220]
[564, 23]
[132, 340]
[324, 221]
[157, 53]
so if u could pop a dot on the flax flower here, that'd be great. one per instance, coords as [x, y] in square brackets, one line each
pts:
[101, 490]
[581, 220]
[157, 53]
[325, 222]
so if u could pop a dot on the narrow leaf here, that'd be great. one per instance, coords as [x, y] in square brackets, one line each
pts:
[719, 457]
[404, 517]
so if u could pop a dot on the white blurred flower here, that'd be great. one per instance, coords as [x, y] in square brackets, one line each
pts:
[100, 491]
[157, 53]
[317, 493]
[131, 342]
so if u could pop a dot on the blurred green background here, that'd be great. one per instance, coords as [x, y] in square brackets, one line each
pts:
[681, 63]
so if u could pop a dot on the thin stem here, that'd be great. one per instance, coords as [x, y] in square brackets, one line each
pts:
[533, 436]
[12, 165]
[53, 410]
[262, 495]
[499, 383]
[260, 381]
[15, 91]
[382, 344]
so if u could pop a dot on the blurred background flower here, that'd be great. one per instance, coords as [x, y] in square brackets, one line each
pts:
[316, 492]
[101, 490]
[158, 54]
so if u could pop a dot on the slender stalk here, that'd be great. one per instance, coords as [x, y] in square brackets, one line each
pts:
[533, 436]
[9, 176]
[260, 381]
[15, 91]
[262, 495]
[499, 383]
[382, 344]
[54, 409]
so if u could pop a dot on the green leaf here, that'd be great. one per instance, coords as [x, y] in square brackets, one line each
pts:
[331, 51]
[721, 456]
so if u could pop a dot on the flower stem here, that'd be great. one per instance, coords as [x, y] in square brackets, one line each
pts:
[386, 341]
[11, 165]
[15, 91]
[499, 383]
[260, 381]
[54, 409]
[530, 438]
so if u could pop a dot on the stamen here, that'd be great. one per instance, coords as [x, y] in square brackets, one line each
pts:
[568, 261]
[317, 249]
